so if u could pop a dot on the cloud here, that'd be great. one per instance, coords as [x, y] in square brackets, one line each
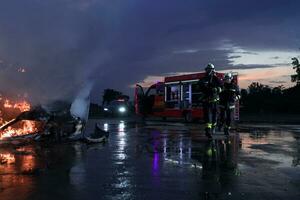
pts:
[260, 57]
[186, 51]
[233, 57]
[250, 66]
[275, 57]
[65, 43]
[278, 82]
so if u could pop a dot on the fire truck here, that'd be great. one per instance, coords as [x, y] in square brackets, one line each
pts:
[176, 97]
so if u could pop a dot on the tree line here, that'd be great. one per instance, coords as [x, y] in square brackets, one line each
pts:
[263, 98]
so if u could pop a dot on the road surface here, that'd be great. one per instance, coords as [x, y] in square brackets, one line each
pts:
[158, 160]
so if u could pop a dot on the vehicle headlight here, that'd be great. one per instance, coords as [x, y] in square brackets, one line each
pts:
[122, 109]
[105, 109]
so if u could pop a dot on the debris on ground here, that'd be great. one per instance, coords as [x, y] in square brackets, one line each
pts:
[98, 136]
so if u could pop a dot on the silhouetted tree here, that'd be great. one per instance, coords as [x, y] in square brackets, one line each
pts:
[278, 90]
[244, 95]
[296, 65]
[244, 92]
[110, 95]
[258, 88]
[255, 88]
[262, 98]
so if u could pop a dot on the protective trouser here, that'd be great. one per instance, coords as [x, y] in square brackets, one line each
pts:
[210, 116]
[226, 115]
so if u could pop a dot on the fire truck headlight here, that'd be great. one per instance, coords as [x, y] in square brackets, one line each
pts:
[122, 109]
[105, 109]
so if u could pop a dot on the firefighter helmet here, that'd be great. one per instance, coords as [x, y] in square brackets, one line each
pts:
[228, 77]
[210, 68]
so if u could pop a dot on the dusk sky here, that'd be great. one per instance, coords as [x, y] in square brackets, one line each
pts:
[65, 44]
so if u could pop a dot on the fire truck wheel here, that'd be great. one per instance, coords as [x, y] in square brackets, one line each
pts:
[188, 117]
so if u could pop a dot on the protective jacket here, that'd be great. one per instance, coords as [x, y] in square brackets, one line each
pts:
[210, 86]
[229, 94]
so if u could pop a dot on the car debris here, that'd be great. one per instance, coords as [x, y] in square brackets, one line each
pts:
[60, 121]
[98, 136]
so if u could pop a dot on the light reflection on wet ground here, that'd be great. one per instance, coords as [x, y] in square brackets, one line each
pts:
[159, 160]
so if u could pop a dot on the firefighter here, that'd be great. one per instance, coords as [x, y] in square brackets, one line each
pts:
[210, 85]
[229, 95]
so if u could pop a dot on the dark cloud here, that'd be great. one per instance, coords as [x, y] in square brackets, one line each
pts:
[115, 43]
[246, 52]
[232, 57]
[278, 82]
[275, 57]
[249, 66]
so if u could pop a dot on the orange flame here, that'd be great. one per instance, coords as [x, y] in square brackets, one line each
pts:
[22, 106]
[7, 158]
[27, 127]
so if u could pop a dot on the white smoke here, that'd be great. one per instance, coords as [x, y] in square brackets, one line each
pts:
[81, 104]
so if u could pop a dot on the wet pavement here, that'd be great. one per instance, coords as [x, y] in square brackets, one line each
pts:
[158, 160]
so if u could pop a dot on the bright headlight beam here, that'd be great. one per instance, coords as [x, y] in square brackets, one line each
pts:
[122, 109]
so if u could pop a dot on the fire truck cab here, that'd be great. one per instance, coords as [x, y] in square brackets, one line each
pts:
[176, 97]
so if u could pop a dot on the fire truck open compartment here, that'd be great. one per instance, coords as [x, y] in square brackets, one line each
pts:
[182, 95]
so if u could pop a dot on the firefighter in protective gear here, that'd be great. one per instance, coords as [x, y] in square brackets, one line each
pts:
[229, 95]
[210, 85]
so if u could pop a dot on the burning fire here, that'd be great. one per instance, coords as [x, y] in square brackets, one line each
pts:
[22, 106]
[9, 107]
[7, 158]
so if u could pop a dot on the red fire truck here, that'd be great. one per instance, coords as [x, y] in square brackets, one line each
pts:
[176, 97]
